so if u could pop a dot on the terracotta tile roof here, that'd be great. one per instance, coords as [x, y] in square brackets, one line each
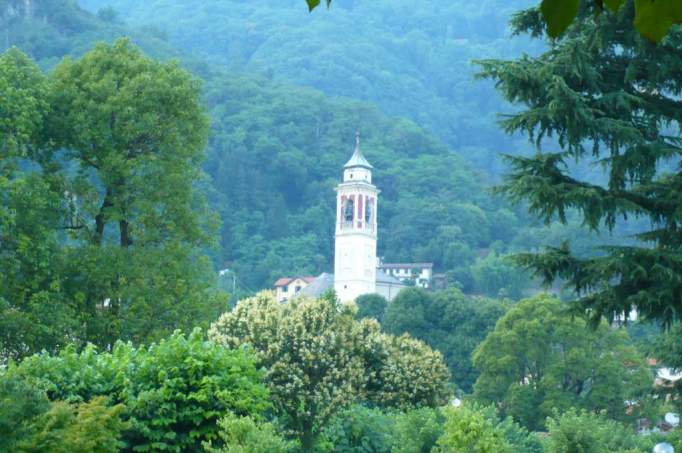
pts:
[284, 281]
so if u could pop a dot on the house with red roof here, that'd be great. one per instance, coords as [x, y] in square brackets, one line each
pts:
[287, 287]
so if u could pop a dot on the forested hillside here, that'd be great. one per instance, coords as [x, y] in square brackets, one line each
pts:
[410, 58]
[156, 156]
[275, 154]
[49, 29]
[275, 157]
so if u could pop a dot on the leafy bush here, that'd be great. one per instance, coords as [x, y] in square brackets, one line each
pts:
[29, 422]
[76, 428]
[468, 429]
[20, 402]
[244, 435]
[417, 431]
[358, 429]
[586, 432]
[174, 391]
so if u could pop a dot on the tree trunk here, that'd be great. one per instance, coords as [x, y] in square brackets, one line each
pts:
[307, 439]
[100, 221]
[124, 229]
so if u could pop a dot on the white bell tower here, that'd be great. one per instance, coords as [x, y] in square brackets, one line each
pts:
[355, 251]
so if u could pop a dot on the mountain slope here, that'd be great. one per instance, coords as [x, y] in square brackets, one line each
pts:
[411, 58]
[276, 152]
[47, 30]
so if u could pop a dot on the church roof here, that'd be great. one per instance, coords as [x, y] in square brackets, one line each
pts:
[325, 281]
[357, 159]
[319, 286]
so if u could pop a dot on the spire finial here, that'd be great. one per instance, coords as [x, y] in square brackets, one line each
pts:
[357, 159]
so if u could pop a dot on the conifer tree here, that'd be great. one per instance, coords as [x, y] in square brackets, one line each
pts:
[606, 96]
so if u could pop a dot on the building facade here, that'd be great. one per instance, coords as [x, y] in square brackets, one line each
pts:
[355, 248]
[288, 287]
[412, 274]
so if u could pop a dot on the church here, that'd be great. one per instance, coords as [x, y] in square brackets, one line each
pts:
[357, 270]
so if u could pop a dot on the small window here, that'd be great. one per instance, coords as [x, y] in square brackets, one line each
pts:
[285, 289]
[348, 210]
[351, 176]
[297, 289]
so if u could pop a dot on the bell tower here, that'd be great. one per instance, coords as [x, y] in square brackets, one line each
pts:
[355, 251]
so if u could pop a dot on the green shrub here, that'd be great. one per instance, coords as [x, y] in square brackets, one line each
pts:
[358, 429]
[244, 435]
[585, 432]
[417, 431]
[174, 392]
[76, 428]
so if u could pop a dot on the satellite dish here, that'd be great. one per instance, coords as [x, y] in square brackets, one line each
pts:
[672, 419]
[663, 447]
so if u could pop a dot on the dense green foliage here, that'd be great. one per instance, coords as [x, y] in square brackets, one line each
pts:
[371, 306]
[33, 315]
[49, 29]
[414, 65]
[173, 392]
[358, 429]
[480, 429]
[105, 230]
[102, 227]
[276, 150]
[425, 430]
[319, 359]
[597, 91]
[448, 321]
[592, 433]
[75, 428]
[244, 435]
[539, 358]
[470, 430]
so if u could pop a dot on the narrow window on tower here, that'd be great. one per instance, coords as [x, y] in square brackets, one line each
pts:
[368, 210]
[348, 210]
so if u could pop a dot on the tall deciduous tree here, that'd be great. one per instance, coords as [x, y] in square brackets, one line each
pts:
[137, 127]
[133, 131]
[608, 97]
[34, 314]
[539, 358]
[319, 359]
[102, 228]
